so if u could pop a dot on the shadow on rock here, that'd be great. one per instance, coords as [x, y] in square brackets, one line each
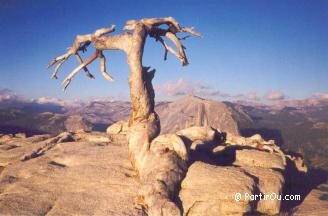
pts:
[299, 183]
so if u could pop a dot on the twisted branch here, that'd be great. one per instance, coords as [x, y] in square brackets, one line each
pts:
[101, 43]
[167, 48]
[80, 44]
[68, 79]
[170, 33]
[102, 61]
[86, 70]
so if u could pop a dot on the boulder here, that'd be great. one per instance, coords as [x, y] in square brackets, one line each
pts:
[204, 134]
[120, 127]
[254, 141]
[270, 184]
[20, 135]
[256, 158]
[6, 137]
[210, 190]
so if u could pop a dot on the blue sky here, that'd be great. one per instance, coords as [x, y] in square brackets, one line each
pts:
[253, 47]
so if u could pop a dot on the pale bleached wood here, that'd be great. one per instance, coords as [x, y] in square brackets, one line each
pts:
[160, 169]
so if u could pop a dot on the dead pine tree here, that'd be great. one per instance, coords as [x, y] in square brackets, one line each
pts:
[161, 167]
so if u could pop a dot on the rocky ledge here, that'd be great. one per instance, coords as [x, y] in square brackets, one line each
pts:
[89, 173]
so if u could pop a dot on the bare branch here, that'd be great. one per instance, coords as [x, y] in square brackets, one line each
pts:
[103, 31]
[170, 33]
[168, 48]
[59, 58]
[80, 39]
[72, 50]
[86, 70]
[184, 37]
[170, 21]
[182, 56]
[54, 74]
[80, 44]
[68, 79]
[102, 60]
[153, 22]
[191, 31]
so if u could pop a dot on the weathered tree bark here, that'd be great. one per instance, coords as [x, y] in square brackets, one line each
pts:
[160, 164]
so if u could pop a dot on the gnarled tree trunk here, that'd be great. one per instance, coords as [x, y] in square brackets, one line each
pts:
[160, 162]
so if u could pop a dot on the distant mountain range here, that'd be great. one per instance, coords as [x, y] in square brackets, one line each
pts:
[299, 126]
[296, 125]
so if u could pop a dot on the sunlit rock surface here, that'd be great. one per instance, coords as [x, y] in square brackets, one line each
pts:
[90, 173]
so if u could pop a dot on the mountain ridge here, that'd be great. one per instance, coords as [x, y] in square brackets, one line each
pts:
[300, 127]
